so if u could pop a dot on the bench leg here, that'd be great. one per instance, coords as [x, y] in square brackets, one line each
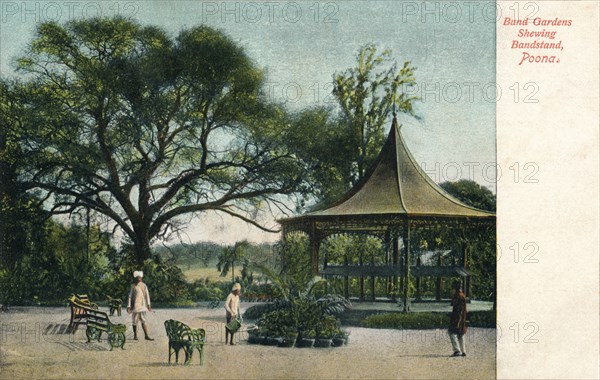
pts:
[189, 352]
[116, 340]
[92, 333]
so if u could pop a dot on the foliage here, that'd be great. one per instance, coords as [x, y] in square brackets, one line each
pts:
[230, 256]
[296, 271]
[20, 213]
[257, 311]
[426, 320]
[205, 291]
[298, 309]
[188, 255]
[324, 143]
[119, 112]
[338, 144]
[66, 260]
[355, 249]
[366, 94]
[166, 282]
[471, 193]
[257, 291]
[278, 322]
[482, 318]
[422, 320]
[328, 327]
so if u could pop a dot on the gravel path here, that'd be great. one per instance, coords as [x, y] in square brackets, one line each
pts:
[33, 345]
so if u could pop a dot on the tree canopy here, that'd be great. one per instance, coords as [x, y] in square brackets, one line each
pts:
[145, 128]
[366, 94]
[471, 193]
[338, 144]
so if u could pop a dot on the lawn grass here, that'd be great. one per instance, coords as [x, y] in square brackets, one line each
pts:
[198, 272]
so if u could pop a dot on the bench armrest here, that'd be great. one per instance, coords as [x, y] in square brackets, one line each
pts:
[199, 335]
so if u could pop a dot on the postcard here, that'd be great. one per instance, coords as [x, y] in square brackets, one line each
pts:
[299, 189]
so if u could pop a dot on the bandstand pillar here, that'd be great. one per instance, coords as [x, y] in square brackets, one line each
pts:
[406, 266]
[315, 242]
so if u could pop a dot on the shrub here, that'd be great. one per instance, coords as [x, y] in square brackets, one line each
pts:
[407, 321]
[257, 311]
[202, 290]
[426, 320]
[482, 318]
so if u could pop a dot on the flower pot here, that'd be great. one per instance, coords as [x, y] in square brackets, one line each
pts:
[286, 342]
[254, 339]
[338, 341]
[272, 341]
[323, 342]
[305, 342]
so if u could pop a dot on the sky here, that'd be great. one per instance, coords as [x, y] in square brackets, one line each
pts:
[302, 44]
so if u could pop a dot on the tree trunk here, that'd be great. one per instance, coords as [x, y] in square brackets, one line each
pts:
[142, 246]
[233, 267]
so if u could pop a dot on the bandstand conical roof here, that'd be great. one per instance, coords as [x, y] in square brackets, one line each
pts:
[396, 185]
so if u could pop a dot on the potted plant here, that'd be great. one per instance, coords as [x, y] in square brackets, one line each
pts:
[323, 341]
[289, 337]
[272, 340]
[276, 324]
[306, 338]
[339, 338]
[254, 336]
[326, 331]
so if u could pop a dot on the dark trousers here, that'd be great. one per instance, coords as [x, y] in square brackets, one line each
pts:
[227, 332]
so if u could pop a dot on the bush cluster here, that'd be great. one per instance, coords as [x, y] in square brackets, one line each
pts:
[426, 320]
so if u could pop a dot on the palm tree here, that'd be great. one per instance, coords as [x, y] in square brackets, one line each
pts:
[229, 257]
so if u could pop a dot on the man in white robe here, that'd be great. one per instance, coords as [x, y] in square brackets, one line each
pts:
[138, 304]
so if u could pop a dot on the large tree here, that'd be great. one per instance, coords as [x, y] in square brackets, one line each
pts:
[325, 146]
[471, 193]
[18, 211]
[339, 144]
[366, 94]
[145, 129]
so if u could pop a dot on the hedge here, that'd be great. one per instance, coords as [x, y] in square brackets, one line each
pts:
[426, 320]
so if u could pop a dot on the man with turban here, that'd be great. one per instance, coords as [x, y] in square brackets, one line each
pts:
[232, 308]
[138, 304]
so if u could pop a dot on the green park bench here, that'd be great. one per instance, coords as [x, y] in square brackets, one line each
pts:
[78, 303]
[182, 336]
[114, 304]
[98, 322]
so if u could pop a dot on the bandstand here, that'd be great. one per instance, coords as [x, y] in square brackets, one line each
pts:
[394, 198]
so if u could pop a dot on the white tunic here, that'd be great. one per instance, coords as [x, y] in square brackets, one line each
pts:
[139, 298]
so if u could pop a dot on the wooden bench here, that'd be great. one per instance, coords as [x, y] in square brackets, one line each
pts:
[114, 304]
[78, 303]
[98, 322]
[182, 336]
